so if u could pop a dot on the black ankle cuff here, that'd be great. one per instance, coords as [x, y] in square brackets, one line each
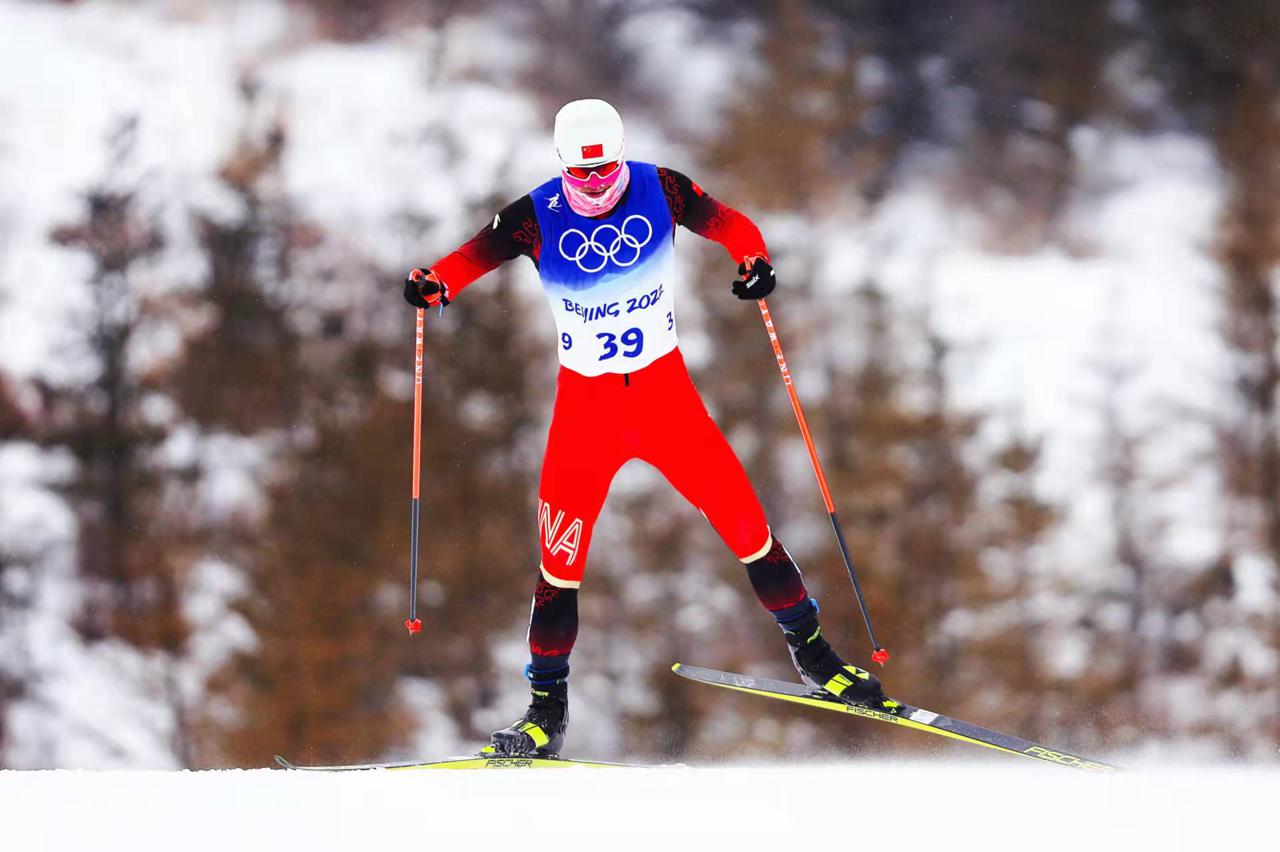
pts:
[546, 677]
[795, 616]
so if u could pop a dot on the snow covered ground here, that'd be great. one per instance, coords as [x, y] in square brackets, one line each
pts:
[867, 806]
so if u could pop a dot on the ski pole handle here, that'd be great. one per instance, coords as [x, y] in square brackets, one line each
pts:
[414, 624]
[878, 653]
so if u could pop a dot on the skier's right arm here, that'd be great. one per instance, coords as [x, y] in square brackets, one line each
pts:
[513, 232]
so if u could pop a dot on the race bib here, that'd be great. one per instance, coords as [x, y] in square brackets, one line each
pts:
[610, 280]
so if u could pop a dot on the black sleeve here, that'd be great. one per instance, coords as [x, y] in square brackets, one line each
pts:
[683, 195]
[705, 216]
[513, 232]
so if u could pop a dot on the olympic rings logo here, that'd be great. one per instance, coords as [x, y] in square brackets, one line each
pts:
[607, 242]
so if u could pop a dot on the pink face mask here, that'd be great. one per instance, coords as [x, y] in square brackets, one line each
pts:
[595, 189]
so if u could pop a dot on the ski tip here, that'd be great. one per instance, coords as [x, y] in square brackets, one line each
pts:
[284, 764]
[675, 667]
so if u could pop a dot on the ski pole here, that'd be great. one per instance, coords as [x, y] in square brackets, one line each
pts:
[879, 654]
[414, 624]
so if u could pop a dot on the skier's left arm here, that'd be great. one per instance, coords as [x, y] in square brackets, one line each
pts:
[709, 218]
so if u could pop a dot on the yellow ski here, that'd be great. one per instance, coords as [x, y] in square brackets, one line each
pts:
[906, 717]
[481, 761]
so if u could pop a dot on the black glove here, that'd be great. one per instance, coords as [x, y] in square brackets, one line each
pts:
[424, 289]
[757, 279]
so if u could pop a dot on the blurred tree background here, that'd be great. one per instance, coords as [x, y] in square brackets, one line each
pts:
[289, 356]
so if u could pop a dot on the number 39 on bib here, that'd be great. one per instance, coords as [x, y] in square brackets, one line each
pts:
[609, 279]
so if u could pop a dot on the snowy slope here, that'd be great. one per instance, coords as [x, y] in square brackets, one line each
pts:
[870, 806]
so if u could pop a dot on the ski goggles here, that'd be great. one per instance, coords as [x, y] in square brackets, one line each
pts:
[584, 173]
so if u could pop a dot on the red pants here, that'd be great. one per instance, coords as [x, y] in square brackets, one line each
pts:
[602, 422]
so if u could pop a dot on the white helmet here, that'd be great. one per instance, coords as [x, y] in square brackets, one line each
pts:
[589, 133]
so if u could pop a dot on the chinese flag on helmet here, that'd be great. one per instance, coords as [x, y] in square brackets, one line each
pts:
[588, 133]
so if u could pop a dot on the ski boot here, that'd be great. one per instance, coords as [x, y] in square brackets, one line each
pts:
[540, 731]
[821, 667]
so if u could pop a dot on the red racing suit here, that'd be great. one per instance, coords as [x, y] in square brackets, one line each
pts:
[623, 390]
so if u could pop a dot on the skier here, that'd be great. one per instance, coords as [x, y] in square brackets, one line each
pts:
[601, 235]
